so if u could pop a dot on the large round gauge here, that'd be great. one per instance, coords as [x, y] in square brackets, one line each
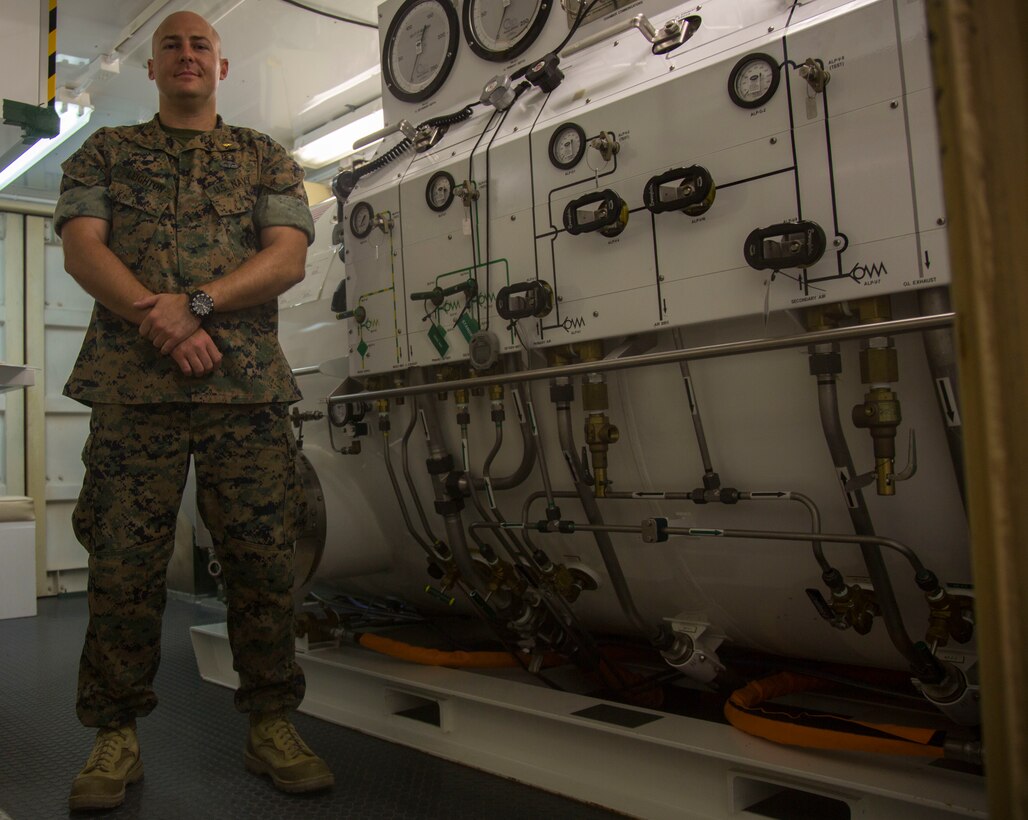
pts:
[567, 146]
[754, 80]
[500, 30]
[362, 219]
[420, 49]
[439, 193]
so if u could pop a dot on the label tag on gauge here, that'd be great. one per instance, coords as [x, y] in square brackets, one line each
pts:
[468, 326]
[437, 336]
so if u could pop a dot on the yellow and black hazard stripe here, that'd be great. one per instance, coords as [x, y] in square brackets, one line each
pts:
[51, 59]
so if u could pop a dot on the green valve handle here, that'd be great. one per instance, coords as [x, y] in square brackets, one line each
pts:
[437, 294]
[438, 593]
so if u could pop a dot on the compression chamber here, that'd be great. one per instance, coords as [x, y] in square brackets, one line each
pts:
[628, 365]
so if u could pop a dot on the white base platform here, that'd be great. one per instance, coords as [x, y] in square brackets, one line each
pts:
[669, 767]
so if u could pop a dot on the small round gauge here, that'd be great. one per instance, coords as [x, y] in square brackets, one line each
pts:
[362, 219]
[567, 146]
[754, 80]
[500, 30]
[420, 49]
[439, 193]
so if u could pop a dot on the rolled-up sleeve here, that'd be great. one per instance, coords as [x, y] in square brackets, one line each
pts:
[84, 184]
[282, 199]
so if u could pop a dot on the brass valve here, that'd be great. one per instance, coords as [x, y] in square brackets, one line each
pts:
[880, 413]
[949, 617]
[857, 607]
[599, 432]
[599, 435]
[851, 605]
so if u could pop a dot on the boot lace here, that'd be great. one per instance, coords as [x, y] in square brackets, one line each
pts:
[289, 740]
[108, 744]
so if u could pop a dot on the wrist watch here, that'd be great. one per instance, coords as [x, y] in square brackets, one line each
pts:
[201, 305]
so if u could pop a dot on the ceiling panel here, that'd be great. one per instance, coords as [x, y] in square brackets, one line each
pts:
[282, 59]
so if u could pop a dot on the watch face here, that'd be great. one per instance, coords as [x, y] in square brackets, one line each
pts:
[201, 304]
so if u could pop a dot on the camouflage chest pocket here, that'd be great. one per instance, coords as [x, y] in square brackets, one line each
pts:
[233, 230]
[136, 212]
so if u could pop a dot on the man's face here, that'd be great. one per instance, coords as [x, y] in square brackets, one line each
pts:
[187, 63]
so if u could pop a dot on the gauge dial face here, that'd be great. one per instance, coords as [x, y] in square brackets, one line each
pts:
[362, 219]
[439, 192]
[567, 146]
[420, 49]
[754, 80]
[500, 30]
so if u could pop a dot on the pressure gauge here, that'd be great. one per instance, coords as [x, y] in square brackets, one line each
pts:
[439, 193]
[362, 219]
[500, 30]
[754, 80]
[567, 146]
[420, 49]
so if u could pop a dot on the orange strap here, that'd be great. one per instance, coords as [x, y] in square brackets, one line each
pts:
[742, 707]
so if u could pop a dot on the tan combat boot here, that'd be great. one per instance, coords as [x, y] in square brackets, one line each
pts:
[113, 763]
[276, 749]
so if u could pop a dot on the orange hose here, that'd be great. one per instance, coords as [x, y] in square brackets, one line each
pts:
[742, 706]
[437, 657]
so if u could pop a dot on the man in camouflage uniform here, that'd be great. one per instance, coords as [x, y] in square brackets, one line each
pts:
[185, 230]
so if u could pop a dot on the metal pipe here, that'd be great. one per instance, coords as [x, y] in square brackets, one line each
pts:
[785, 495]
[456, 536]
[592, 511]
[640, 22]
[494, 509]
[509, 542]
[806, 501]
[544, 469]
[828, 403]
[940, 349]
[527, 464]
[405, 464]
[399, 499]
[723, 532]
[709, 476]
[26, 207]
[893, 327]
[308, 370]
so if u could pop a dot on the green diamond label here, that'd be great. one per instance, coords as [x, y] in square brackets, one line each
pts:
[437, 335]
[468, 326]
[362, 348]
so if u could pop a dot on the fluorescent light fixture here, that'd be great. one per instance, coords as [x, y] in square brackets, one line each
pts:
[334, 140]
[342, 88]
[73, 117]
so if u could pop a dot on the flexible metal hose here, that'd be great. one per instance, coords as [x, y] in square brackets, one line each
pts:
[565, 429]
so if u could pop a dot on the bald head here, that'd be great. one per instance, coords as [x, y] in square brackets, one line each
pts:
[187, 66]
[185, 21]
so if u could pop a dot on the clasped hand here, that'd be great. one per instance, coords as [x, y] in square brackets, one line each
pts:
[177, 333]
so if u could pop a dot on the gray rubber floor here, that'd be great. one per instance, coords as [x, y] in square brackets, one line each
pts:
[193, 744]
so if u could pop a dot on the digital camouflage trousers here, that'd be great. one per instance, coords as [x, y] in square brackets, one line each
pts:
[248, 493]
